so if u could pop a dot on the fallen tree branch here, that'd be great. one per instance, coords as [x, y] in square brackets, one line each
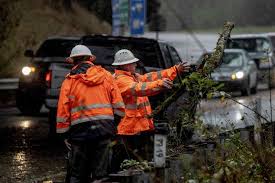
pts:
[209, 63]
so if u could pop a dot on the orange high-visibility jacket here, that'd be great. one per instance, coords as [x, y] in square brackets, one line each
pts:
[134, 90]
[88, 97]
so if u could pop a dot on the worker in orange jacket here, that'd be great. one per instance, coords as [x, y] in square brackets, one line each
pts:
[89, 99]
[135, 89]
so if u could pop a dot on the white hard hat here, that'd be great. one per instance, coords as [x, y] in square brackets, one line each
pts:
[80, 50]
[123, 57]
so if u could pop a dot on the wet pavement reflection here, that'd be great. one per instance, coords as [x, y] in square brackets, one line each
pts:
[230, 114]
[26, 152]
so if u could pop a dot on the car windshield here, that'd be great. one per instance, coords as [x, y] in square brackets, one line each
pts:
[56, 48]
[104, 50]
[232, 60]
[250, 44]
[229, 59]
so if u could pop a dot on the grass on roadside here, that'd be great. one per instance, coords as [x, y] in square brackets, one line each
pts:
[38, 20]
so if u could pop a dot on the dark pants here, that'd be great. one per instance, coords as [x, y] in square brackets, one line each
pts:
[88, 161]
[137, 147]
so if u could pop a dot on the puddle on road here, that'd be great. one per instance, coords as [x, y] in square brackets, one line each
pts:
[26, 153]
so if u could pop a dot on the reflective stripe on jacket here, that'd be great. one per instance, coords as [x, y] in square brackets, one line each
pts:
[88, 97]
[134, 90]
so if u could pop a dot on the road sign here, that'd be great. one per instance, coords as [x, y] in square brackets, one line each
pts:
[120, 17]
[124, 12]
[137, 16]
[115, 17]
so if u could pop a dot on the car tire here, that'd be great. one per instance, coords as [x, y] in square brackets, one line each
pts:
[272, 78]
[254, 90]
[52, 123]
[246, 91]
[28, 105]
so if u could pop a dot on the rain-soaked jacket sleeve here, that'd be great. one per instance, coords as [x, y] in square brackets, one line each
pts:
[117, 100]
[63, 111]
[130, 87]
[170, 73]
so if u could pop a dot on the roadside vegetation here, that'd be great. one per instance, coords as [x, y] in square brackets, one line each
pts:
[27, 23]
[224, 157]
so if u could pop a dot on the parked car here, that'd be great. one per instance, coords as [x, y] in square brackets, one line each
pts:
[35, 77]
[238, 72]
[261, 48]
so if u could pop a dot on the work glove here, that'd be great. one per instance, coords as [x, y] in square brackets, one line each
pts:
[167, 83]
[183, 67]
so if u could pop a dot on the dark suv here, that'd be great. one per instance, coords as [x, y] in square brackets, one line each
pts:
[44, 85]
[35, 77]
[261, 48]
[154, 56]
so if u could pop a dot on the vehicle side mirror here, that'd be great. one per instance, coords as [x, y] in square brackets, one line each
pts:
[28, 53]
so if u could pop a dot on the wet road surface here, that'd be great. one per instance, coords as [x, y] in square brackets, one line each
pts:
[26, 153]
[231, 114]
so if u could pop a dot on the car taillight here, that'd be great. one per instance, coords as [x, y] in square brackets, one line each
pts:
[48, 78]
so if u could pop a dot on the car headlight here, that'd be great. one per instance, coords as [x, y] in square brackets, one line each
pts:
[27, 70]
[240, 75]
[237, 75]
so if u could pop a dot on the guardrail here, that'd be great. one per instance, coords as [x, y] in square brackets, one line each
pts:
[9, 83]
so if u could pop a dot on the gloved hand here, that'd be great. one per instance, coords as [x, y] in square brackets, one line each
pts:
[167, 83]
[183, 67]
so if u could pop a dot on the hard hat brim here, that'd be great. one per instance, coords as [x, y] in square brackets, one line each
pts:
[127, 62]
[71, 61]
[77, 55]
